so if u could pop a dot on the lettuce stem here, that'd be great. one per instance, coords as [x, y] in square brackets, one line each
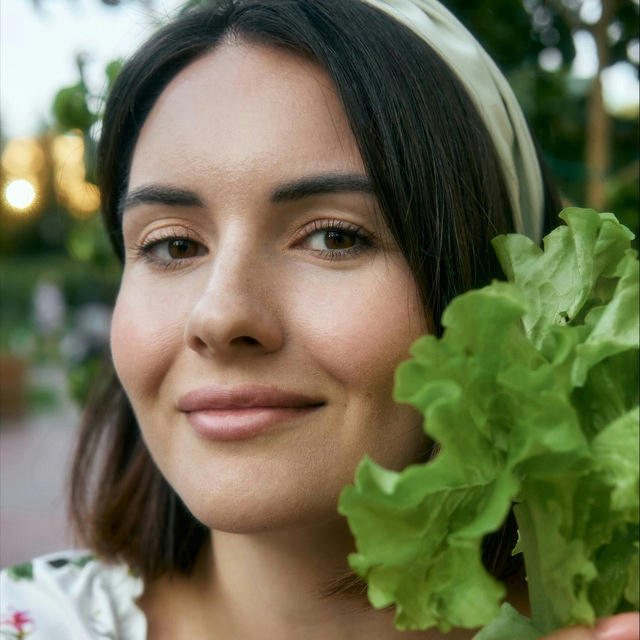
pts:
[542, 614]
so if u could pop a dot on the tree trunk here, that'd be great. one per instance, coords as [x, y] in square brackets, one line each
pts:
[598, 143]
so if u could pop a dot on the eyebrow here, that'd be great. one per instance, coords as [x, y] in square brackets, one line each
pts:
[160, 194]
[290, 191]
[320, 185]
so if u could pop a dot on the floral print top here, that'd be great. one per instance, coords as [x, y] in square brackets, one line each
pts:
[70, 596]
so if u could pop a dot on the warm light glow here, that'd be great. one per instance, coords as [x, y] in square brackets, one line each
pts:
[23, 164]
[23, 156]
[83, 199]
[79, 196]
[20, 194]
[68, 152]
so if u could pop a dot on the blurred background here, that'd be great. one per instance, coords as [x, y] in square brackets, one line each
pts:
[572, 63]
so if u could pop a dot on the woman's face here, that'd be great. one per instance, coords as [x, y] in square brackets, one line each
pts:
[264, 305]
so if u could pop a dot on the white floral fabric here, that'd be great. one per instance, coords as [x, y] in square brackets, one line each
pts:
[70, 595]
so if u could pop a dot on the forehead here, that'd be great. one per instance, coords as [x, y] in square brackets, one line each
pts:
[245, 107]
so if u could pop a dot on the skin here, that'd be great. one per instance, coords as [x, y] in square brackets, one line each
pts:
[257, 299]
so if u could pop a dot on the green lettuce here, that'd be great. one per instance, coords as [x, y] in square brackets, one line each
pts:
[532, 397]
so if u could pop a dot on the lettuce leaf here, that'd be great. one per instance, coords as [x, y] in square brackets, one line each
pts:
[532, 396]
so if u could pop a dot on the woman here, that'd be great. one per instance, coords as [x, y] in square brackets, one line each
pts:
[297, 189]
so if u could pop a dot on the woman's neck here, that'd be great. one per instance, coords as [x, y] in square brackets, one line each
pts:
[269, 585]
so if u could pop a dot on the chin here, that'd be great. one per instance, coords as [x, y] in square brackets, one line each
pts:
[258, 511]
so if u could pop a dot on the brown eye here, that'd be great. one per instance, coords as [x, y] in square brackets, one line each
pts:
[172, 251]
[336, 240]
[182, 248]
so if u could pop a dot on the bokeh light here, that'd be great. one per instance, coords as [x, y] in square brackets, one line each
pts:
[23, 156]
[24, 171]
[79, 196]
[20, 195]
[550, 59]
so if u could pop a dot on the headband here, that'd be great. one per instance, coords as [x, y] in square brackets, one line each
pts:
[493, 98]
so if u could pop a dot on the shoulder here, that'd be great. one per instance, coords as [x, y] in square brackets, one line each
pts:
[70, 595]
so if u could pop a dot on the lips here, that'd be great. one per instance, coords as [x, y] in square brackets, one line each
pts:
[241, 412]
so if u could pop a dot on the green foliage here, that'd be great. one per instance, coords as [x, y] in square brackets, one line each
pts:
[22, 571]
[82, 377]
[497, 24]
[80, 283]
[74, 108]
[507, 626]
[532, 394]
[112, 70]
[71, 110]
[83, 560]
[555, 103]
[41, 399]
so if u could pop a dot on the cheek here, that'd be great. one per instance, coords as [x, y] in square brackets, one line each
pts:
[356, 335]
[359, 333]
[144, 339]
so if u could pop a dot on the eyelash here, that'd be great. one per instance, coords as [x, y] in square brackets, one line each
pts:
[363, 241]
[144, 249]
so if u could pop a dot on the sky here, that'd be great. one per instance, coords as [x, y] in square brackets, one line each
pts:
[38, 49]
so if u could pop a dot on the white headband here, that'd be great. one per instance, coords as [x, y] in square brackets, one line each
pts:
[493, 98]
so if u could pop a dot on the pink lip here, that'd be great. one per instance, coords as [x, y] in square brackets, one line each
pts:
[237, 413]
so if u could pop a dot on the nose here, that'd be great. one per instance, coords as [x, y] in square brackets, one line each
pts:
[234, 312]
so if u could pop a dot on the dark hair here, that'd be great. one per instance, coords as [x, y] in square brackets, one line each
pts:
[436, 177]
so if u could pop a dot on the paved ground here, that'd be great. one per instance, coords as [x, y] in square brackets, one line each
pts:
[34, 456]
